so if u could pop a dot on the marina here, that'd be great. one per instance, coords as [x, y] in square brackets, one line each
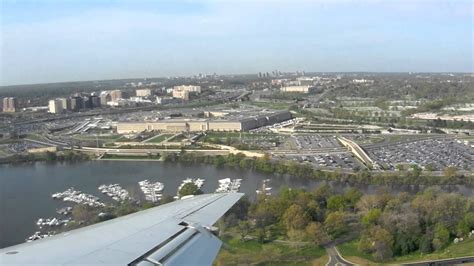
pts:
[115, 191]
[152, 191]
[229, 185]
[76, 196]
[51, 222]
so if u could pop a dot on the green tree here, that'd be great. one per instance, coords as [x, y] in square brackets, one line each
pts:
[371, 217]
[316, 234]
[335, 224]
[441, 237]
[382, 244]
[295, 218]
[189, 189]
[336, 203]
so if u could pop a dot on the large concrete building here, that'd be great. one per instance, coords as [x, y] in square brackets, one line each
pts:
[188, 88]
[196, 125]
[10, 104]
[296, 89]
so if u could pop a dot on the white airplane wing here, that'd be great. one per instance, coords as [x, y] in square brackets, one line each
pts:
[170, 234]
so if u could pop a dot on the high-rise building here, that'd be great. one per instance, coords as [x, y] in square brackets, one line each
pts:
[115, 95]
[63, 103]
[104, 99]
[87, 102]
[10, 104]
[95, 101]
[77, 103]
[55, 106]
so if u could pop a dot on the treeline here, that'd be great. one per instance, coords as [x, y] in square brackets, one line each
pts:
[385, 225]
[412, 176]
[65, 156]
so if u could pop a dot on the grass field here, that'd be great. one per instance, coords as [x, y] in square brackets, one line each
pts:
[236, 252]
[159, 138]
[466, 248]
[270, 105]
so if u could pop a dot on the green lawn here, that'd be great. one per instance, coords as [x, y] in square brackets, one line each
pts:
[177, 138]
[349, 249]
[463, 249]
[159, 138]
[236, 252]
[270, 105]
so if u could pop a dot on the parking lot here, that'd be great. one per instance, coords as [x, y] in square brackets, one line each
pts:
[315, 141]
[436, 154]
[336, 160]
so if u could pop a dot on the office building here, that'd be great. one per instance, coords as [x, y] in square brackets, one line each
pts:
[143, 92]
[296, 89]
[10, 104]
[188, 88]
[180, 94]
[115, 95]
[196, 125]
[55, 106]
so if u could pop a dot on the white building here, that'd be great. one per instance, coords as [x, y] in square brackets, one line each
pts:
[143, 92]
[297, 89]
[180, 94]
[188, 88]
[55, 106]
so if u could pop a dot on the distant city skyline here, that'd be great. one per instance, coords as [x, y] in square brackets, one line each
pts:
[55, 41]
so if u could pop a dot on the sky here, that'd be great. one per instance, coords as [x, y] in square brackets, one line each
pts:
[45, 41]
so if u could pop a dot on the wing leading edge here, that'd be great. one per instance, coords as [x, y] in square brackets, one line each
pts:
[172, 234]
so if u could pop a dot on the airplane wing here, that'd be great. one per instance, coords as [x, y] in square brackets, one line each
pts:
[170, 234]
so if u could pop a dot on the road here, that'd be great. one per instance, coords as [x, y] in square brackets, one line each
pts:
[335, 258]
[453, 261]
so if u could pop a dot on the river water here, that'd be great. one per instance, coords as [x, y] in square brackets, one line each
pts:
[25, 189]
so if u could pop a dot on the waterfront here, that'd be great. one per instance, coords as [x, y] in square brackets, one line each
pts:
[25, 189]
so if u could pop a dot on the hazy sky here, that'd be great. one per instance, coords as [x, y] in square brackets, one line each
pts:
[52, 41]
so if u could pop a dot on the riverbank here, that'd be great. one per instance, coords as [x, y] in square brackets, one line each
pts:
[266, 165]
[62, 156]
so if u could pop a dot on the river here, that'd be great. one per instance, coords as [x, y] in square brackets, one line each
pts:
[25, 189]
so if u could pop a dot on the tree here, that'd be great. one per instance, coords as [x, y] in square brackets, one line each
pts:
[295, 218]
[466, 224]
[382, 244]
[316, 233]
[450, 171]
[189, 189]
[244, 229]
[372, 217]
[83, 213]
[336, 203]
[335, 224]
[441, 237]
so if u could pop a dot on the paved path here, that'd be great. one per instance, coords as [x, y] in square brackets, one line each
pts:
[335, 258]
